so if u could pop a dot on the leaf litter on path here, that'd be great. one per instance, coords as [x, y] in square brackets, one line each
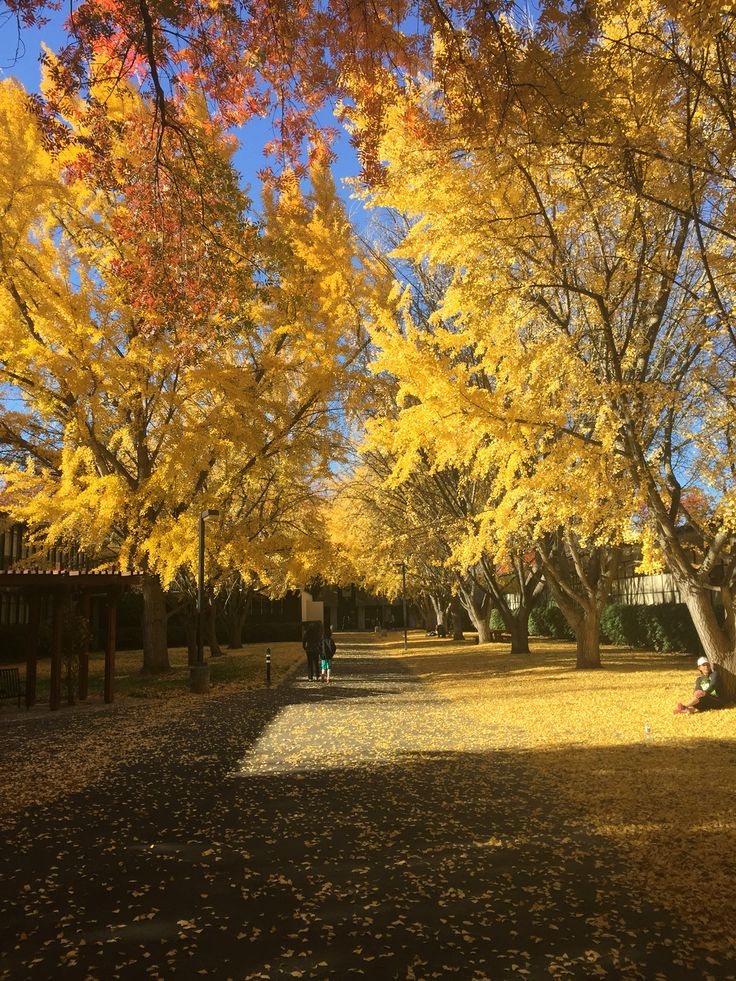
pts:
[383, 826]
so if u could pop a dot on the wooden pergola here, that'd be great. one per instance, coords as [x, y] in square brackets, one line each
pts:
[59, 586]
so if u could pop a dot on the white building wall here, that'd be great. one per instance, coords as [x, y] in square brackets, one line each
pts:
[312, 609]
[646, 590]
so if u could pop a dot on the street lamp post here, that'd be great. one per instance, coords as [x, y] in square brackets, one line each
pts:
[402, 566]
[403, 600]
[199, 673]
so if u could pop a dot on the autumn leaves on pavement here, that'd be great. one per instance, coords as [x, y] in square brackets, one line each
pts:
[389, 825]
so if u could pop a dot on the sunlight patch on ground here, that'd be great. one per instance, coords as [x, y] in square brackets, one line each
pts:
[665, 794]
[320, 732]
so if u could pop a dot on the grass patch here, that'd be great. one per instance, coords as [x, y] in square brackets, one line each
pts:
[243, 669]
[666, 800]
[248, 668]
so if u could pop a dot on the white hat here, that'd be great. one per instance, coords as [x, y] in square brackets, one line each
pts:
[703, 660]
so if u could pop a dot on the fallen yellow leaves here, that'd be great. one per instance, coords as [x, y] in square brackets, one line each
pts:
[72, 759]
[61, 754]
[665, 796]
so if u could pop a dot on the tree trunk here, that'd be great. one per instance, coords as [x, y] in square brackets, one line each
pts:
[478, 619]
[438, 611]
[457, 618]
[580, 584]
[234, 620]
[587, 636]
[215, 650]
[715, 640]
[425, 605]
[155, 618]
[236, 609]
[518, 625]
[483, 628]
[478, 604]
[529, 587]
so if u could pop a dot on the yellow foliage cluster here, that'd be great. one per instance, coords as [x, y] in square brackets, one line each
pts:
[566, 335]
[141, 407]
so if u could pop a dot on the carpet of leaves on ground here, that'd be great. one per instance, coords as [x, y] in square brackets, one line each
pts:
[49, 755]
[667, 797]
[374, 827]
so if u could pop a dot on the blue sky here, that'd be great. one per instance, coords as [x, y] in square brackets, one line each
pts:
[19, 58]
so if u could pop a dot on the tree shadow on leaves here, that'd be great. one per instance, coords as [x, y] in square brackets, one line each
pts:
[432, 863]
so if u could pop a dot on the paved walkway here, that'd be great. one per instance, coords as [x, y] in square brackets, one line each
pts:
[355, 830]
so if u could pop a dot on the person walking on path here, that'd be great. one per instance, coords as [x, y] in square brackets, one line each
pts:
[313, 646]
[707, 692]
[328, 652]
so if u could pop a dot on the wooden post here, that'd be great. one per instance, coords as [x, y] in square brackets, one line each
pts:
[85, 609]
[34, 617]
[112, 608]
[57, 627]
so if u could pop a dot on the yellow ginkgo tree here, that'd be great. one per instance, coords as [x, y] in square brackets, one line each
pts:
[142, 402]
[576, 175]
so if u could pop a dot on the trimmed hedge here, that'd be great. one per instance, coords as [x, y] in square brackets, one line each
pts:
[659, 627]
[665, 627]
[624, 624]
[549, 621]
[496, 620]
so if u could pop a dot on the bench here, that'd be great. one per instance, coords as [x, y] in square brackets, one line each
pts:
[10, 684]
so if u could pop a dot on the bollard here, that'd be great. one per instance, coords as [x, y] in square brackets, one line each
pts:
[268, 665]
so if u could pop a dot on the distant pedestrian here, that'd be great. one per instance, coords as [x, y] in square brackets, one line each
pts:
[313, 646]
[707, 693]
[328, 652]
